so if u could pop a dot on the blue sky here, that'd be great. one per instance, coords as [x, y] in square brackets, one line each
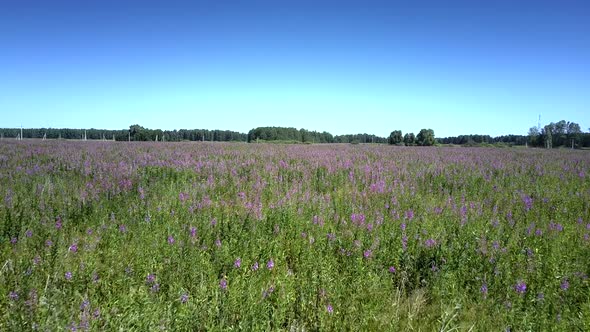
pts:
[458, 67]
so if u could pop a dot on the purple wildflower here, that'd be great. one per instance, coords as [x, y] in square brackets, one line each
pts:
[171, 240]
[392, 269]
[238, 263]
[270, 264]
[48, 243]
[430, 243]
[218, 243]
[268, 292]
[68, 275]
[410, 214]
[13, 240]
[73, 247]
[520, 287]
[255, 266]
[155, 288]
[528, 202]
[85, 303]
[484, 290]
[13, 296]
[223, 284]
[122, 228]
[29, 233]
[150, 278]
[193, 231]
[565, 285]
[184, 298]
[329, 308]
[331, 237]
[368, 253]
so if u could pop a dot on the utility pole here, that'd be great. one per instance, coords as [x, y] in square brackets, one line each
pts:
[129, 136]
[113, 137]
[21, 132]
[85, 135]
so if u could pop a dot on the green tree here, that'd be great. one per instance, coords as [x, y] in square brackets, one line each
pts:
[395, 137]
[409, 139]
[138, 133]
[548, 135]
[533, 136]
[425, 137]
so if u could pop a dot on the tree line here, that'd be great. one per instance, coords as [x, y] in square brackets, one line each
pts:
[553, 135]
[560, 134]
[134, 133]
[293, 135]
[424, 138]
[484, 139]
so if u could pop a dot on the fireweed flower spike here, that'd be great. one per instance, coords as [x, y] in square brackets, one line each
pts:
[520, 287]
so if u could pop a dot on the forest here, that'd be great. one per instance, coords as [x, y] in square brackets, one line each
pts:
[553, 135]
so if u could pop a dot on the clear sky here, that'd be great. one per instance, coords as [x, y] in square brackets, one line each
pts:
[458, 67]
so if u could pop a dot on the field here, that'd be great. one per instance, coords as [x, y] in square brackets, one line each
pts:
[106, 236]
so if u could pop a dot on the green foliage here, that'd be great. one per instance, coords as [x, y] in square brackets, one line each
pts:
[359, 138]
[425, 137]
[395, 137]
[268, 134]
[409, 139]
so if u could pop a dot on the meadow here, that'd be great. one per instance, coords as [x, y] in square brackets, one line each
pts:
[107, 236]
